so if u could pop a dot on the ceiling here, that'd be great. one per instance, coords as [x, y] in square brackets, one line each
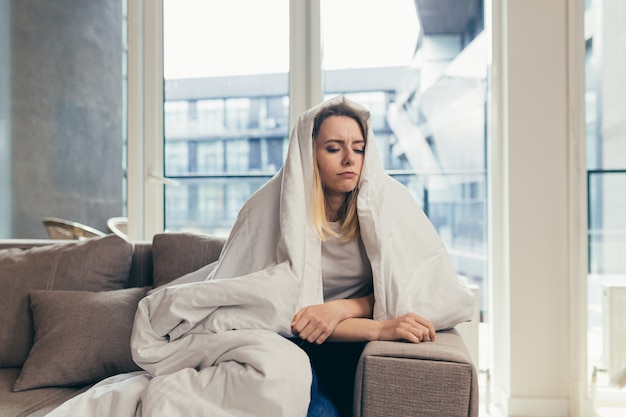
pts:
[449, 16]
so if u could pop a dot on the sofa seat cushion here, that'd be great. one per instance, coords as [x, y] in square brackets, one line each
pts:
[96, 264]
[33, 403]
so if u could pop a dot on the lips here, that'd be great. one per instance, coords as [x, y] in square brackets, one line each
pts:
[347, 174]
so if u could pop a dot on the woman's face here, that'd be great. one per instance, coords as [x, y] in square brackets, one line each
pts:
[339, 151]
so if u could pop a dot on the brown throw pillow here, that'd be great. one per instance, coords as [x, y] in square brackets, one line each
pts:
[80, 337]
[96, 264]
[177, 254]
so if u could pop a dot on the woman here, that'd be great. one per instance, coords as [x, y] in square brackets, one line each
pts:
[369, 264]
[339, 148]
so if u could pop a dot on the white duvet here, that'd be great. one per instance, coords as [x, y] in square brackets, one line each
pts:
[210, 348]
[216, 347]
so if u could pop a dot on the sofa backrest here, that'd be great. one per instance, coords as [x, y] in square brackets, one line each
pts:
[176, 255]
[141, 268]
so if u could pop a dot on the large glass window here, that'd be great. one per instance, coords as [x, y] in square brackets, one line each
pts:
[420, 67]
[226, 112]
[606, 180]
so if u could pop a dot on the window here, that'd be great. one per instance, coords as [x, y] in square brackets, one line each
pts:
[422, 74]
[606, 199]
[226, 106]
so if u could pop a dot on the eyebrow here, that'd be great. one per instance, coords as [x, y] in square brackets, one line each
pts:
[342, 141]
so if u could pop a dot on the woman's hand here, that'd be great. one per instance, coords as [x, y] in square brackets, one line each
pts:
[316, 323]
[410, 327]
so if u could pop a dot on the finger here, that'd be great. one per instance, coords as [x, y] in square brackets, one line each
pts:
[322, 338]
[309, 333]
[317, 330]
[426, 333]
[430, 332]
[421, 332]
[411, 337]
[295, 318]
[421, 320]
[304, 333]
[299, 326]
[314, 336]
[426, 323]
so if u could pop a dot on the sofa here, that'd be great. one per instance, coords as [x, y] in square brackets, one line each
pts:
[67, 314]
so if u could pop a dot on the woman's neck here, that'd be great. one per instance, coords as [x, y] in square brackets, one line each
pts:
[333, 205]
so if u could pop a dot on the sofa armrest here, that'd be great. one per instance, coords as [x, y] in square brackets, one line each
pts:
[428, 379]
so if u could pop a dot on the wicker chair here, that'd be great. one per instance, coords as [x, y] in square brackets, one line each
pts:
[60, 229]
[119, 226]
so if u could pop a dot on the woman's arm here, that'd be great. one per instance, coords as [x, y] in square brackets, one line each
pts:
[409, 327]
[350, 320]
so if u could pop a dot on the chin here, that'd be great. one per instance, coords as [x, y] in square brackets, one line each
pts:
[343, 189]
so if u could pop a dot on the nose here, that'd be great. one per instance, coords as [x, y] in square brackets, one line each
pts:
[349, 158]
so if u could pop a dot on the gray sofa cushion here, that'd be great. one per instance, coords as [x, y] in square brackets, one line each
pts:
[80, 337]
[96, 264]
[177, 254]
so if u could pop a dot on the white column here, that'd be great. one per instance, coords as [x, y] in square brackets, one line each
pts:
[536, 229]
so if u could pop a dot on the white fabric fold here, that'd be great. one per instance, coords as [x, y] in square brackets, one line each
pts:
[182, 326]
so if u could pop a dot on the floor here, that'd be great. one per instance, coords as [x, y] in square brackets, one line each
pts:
[611, 412]
[610, 401]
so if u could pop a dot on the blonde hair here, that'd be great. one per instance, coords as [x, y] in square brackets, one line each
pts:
[348, 210]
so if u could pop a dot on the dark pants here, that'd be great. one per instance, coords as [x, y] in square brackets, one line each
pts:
[320, 405]
[334, 366]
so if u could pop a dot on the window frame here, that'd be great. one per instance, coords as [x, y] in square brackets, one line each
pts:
[145, 164]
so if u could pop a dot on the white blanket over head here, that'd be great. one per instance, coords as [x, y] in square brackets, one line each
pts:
[411, 268]
[215, 347]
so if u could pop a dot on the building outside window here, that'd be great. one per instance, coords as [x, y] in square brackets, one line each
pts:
[420, 67]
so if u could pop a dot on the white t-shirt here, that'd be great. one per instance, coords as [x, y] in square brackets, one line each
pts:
[346, 270]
